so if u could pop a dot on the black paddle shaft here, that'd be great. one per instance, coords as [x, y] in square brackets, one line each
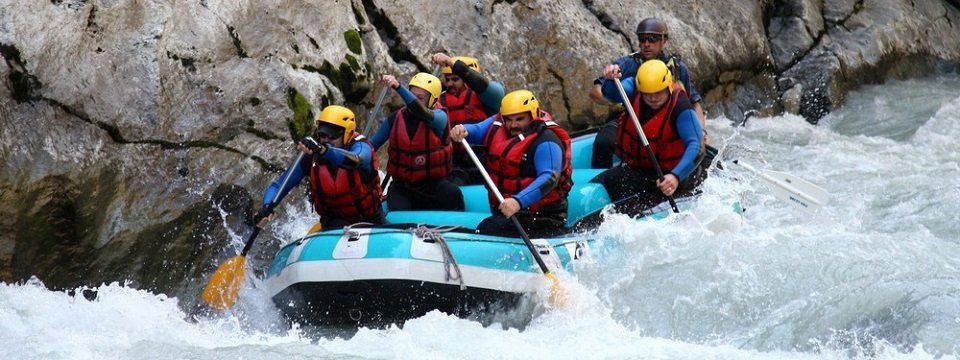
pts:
[533, 249]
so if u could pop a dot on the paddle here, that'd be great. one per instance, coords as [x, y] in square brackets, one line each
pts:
[643, 138]
[796, 191]
[376, 110]
[221, 292]
[556, 293]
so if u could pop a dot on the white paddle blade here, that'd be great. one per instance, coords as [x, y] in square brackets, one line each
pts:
[792, 196]
[808, 189]
[796, 191]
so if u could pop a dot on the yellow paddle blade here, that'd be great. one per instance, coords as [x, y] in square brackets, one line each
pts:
[221, 292]
[315, 228]
[558, 297]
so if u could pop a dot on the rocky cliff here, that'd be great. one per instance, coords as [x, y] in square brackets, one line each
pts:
[134, 134]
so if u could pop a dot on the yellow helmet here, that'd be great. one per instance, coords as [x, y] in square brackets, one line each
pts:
[429, 83]
[338, 116]
[653, 76]
[520, 101]
[470, 62]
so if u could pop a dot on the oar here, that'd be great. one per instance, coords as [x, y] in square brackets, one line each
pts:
[221, 292]
[794, 190]
[556, 293]
[643, 138]
[376, 110]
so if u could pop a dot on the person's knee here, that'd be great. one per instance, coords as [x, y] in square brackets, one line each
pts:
[449, 194]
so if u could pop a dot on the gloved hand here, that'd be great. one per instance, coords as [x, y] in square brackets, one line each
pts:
[264, 212]
[313, 145]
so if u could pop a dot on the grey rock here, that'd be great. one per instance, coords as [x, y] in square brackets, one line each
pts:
[136, 136]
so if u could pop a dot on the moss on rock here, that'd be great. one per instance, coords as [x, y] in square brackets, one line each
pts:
[354, 42]
[302, 122]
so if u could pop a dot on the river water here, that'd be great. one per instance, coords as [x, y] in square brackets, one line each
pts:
[874, 274]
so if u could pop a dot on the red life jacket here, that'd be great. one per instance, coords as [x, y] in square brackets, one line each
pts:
[465, 108]
[419, 156]
[343, 193]
[510, 163]
[660, 130]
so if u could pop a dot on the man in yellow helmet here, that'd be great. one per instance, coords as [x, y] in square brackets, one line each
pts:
[421, 154]
[528, 158]
[652, 35]
[468, 98]
[344, 182]
[670, 124]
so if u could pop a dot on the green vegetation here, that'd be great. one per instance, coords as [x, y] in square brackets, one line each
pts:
[302, 122]
[354, 42]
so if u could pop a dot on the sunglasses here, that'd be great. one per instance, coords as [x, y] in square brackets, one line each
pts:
[327, 135]
[649, 38]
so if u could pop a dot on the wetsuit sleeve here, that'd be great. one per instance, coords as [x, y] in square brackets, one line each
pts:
[436, 119]
[548, 160]
[684, 77]
[490, 92]
[612, 94]
[438, 122]
[476, 132]
[296, 175]
[359, 156]
[492, 97]
[688, 128]
[628, 68]
[383, 132]
[405, 94]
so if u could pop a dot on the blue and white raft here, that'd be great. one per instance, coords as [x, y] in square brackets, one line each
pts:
[427, 260]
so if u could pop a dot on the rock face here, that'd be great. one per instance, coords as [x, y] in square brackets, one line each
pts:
[136, 134]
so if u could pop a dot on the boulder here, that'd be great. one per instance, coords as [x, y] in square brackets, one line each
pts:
[136, 137]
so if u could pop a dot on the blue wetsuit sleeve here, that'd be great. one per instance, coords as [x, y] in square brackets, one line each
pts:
[383, 133]
[612, 94]
[359, 156]
[438, 123]
[492, 97]
[684, 77]
[628, 69]
[296, 175]
[489, 92]
[476, 132]
[688, 128]
[548, 160]
[436, 119]
[405, 94]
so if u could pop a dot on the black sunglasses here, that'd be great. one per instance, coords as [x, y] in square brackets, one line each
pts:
[329, 132]
[328, 135]
[649, 38]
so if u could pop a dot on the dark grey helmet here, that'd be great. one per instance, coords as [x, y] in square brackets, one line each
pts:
[652, 26]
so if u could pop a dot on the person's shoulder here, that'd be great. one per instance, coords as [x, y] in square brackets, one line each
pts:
[675, 59]
[361, 142]
[549, 131]
[628, 59]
